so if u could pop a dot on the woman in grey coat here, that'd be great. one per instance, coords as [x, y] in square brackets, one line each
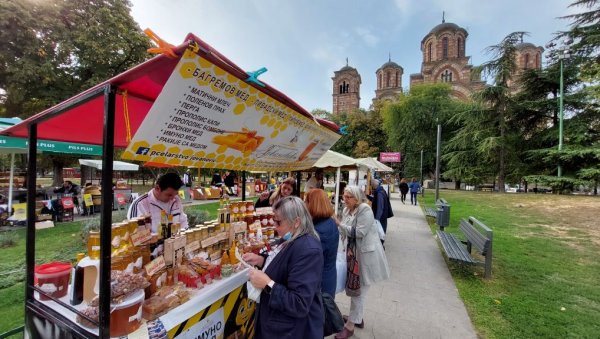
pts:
[358, 221]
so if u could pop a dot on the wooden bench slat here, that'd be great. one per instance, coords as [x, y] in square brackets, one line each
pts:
[482, 242]
[454, 248]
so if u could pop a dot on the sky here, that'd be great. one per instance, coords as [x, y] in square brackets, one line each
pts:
[302, 42]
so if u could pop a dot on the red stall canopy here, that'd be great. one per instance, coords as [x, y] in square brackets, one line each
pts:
[81, 120]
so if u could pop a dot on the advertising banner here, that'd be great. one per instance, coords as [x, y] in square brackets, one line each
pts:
[389, 156]
[208, 118]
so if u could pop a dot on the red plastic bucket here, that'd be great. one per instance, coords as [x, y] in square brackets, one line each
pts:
[53, 278]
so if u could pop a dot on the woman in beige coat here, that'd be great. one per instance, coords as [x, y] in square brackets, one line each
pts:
[373, 265]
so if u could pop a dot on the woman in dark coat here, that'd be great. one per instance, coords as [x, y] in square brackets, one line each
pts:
[403, 189]
[321, 211]
[290, 304]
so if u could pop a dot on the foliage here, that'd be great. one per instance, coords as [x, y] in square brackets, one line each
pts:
[8, 239]
[364, 127]
[51, 50]
[411, 125]
[196, 216]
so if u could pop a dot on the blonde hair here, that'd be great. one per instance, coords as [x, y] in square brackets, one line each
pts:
[277, 195]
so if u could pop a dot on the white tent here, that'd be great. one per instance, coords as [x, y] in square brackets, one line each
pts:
[375, 165]
[117, 165]
[338, 161]
[335, 160]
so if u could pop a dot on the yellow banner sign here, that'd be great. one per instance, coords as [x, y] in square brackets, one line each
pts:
[206, 117]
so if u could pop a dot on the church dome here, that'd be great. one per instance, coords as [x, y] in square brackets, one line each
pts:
[390, 64]
[446, 26]
[524, 45]
[347, 68]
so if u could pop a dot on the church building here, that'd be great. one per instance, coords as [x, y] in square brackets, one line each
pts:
[443, 60]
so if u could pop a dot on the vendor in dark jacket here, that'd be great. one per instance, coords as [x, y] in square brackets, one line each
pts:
[321, 211]
[290, 305]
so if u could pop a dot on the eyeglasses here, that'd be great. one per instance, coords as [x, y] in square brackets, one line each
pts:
[277, 222]
[345, 196]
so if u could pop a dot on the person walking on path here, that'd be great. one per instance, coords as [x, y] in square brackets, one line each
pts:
[380, 203]
[358, 222]
[415, 187]
[187, 178]
[403, 189]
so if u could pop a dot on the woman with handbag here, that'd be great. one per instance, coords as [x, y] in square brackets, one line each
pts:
[365, 251]
[290, 304]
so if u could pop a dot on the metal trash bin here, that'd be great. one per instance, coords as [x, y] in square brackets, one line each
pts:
[443, 215]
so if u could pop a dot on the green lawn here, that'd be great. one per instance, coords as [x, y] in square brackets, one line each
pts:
[60, 243]
[546, 264]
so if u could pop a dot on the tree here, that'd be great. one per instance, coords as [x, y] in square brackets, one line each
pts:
[365, 135]
[486, 128]
[51, 50]
[411, 125]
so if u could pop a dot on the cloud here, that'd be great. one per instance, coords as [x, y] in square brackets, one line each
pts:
[365, 34]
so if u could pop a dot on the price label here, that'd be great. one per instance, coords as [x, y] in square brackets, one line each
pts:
[155, 265]
[141, 236]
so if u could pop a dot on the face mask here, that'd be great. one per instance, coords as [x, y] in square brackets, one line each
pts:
[287, 236]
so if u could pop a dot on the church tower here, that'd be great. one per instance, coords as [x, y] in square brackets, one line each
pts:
[389, 81]
[528, 56]
[346, 89]
[444, 60]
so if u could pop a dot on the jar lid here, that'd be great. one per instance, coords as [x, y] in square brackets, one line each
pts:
[52, 267]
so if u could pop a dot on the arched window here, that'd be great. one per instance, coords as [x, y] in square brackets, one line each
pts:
[429, 52]
[344, 87]
[397, 78]
[458, 49]
[388, 76]
[379, 81]
[445, 48]
[526, 60]
[446, 76]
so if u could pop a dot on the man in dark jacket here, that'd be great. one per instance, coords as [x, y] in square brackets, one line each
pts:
[380, 203]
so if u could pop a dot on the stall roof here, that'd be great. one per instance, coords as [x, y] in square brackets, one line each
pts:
[83, 114]
[117, 165]
[375, 164]
[332, 159]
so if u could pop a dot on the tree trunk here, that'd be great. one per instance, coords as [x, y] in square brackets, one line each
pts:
[457, 185]
[57, 177]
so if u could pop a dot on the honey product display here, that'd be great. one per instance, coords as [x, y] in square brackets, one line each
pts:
[93, 244]
[53, 279]
[126, 317]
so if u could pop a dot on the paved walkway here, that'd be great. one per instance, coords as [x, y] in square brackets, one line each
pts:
[420, 299]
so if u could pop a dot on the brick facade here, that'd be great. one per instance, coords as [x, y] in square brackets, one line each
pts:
[346, 90]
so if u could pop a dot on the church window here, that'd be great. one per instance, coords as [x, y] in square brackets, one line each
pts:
[458, 49]
[445, 48]
[388, 76]
[446, 76]
[344, 87]
[526, 60]
[397, 79]
[429, 52]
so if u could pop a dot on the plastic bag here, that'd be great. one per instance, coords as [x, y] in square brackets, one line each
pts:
[341, 266]
[253, 292]
[380, 229]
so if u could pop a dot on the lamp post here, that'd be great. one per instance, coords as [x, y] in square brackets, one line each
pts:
[563, 53]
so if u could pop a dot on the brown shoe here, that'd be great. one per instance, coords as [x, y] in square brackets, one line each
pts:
[346, 333]
[361, 325]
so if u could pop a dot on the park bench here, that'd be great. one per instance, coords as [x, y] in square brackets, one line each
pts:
[441, 213]
[477, 235]
[431, 212]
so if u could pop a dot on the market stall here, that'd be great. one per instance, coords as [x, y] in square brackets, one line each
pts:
[223, 121]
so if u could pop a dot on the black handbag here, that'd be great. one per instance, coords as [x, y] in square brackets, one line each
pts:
[334, 322]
